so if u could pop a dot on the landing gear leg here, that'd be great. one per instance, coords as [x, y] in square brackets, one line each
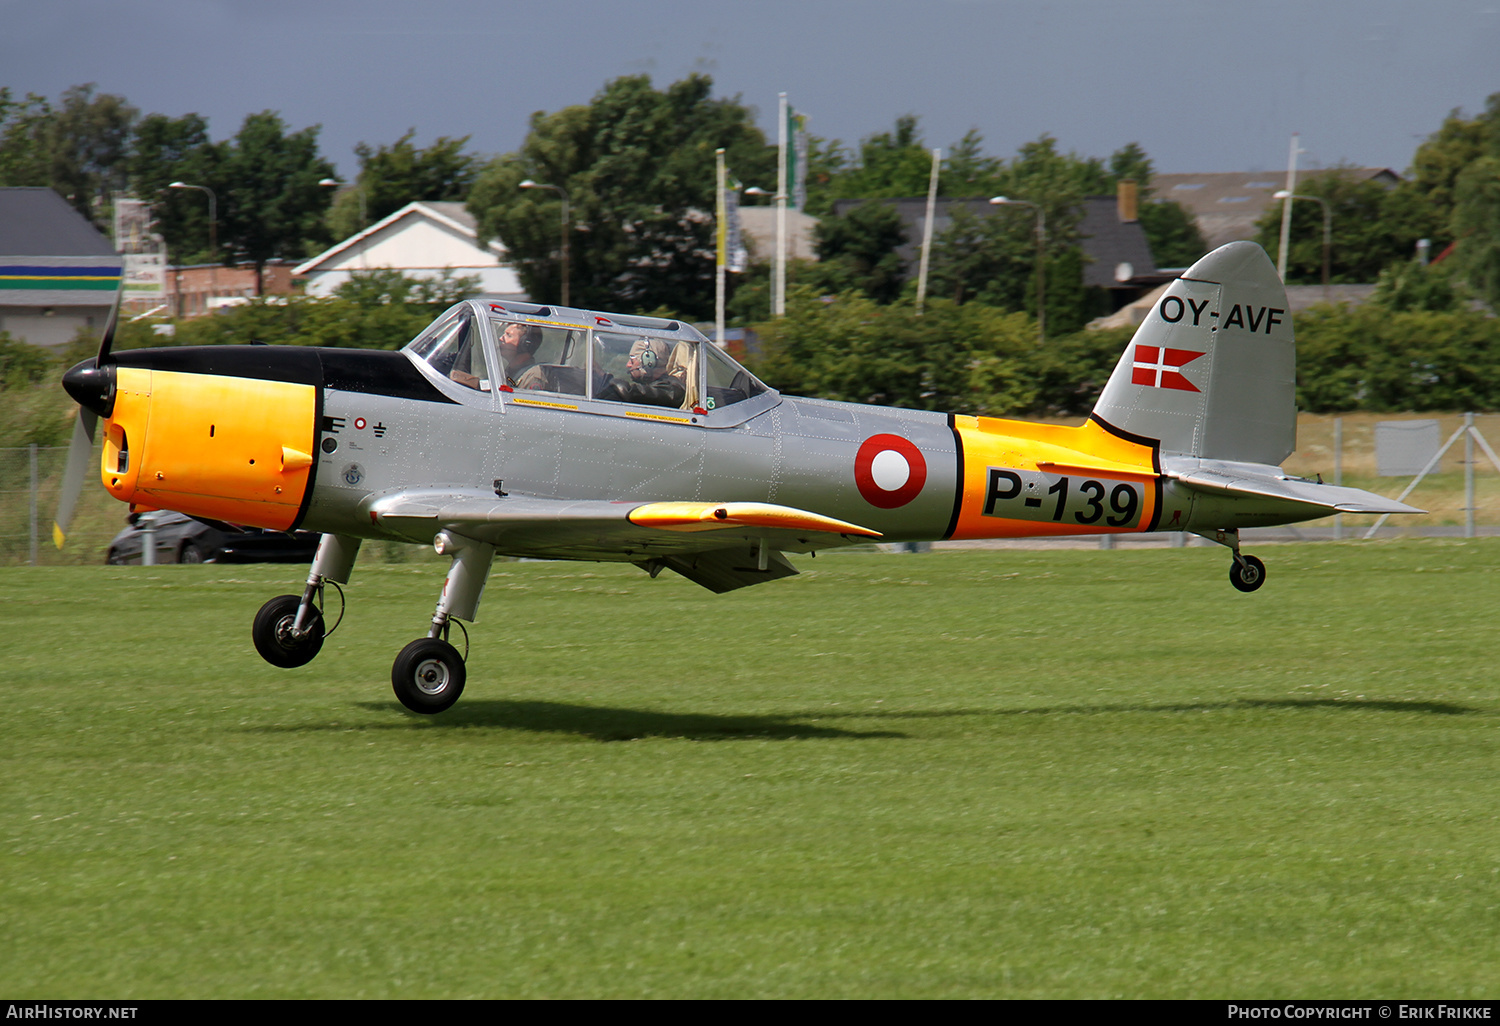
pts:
[289, 631]
[1246, 573]
[429, 674]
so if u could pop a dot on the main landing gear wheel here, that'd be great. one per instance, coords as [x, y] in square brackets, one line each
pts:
[428, 675]
[1247, 575]
[273, 633]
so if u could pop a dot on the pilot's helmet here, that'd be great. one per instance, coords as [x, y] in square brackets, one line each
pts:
[530, 337]
[650, 355]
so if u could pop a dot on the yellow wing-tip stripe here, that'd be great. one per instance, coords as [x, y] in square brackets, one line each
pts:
[709, 516]
[1103, 467]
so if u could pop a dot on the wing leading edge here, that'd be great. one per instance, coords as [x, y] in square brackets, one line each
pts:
[721, 546]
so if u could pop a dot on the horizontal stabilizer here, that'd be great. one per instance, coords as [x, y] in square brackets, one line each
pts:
[1218, 477]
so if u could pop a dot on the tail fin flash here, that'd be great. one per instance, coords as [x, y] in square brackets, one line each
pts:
[1212, 370]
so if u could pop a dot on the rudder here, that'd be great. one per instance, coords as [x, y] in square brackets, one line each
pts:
[1211, 372]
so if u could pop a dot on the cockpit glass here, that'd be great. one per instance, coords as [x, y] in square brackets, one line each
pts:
[727, 381]
[453, 348]
[643, 369]
[542, 358]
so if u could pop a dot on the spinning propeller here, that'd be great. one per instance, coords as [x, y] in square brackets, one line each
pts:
[92, 385]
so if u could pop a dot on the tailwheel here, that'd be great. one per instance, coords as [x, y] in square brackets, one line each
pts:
[1247, 573]
[273, 635]
[428, 675]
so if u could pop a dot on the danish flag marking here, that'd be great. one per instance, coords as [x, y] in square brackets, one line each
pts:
[1156, 367]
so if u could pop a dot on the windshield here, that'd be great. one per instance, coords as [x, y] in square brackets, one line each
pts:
[452, 348]
[646, 364]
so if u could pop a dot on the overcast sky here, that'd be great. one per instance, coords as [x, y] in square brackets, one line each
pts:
[1203, 85]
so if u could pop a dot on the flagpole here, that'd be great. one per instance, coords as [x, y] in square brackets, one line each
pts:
[932, 185]
[721, 230]
[778, 285]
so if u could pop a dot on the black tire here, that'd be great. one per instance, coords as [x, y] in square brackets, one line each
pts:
[275, 644]
[192, 554]
[1249, 575]
[428, 675]
[115, 558]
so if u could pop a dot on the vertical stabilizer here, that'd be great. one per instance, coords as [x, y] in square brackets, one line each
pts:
[1211, 372]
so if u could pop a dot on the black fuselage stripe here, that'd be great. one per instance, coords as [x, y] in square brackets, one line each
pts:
[1154, 443]
[370, 371]
[958, 487]
[312, 470]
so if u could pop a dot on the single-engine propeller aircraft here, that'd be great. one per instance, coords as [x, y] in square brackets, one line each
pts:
[555, 433]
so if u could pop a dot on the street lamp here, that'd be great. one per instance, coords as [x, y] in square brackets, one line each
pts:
[213, 214]
[334, 183]
[1041, 242]
[213, 242]
[1283, 195]
[529, 184]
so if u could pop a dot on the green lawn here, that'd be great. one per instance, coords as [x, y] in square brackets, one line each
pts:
[991, 774]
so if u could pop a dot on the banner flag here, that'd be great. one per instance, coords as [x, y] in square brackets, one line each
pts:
[738, 257]
[798, 160]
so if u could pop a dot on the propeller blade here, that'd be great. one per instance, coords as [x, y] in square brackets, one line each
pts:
[107, 342]
[80, 456]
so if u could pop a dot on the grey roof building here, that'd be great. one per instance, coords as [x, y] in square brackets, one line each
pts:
[1117, 256]
[57, 273]
[1226, 204]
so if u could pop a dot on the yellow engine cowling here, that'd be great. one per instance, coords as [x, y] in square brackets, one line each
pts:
[209, 445]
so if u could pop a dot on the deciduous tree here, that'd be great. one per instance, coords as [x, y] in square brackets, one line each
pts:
[392, 176]
[638, 167]
[271, 204]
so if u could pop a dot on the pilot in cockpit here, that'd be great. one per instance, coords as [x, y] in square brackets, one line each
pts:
[655, 380]
[518, 345]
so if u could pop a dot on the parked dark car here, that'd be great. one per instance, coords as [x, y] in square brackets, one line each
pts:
[181, 539]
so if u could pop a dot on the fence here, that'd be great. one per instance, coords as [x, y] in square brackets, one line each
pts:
[29, 477]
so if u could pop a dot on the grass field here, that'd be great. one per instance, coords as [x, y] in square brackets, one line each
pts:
[986, 774]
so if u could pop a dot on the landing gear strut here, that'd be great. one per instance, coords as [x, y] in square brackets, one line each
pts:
[429, 674]
[1246, 573]
[289, 630]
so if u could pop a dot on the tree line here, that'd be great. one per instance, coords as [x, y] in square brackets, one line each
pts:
[636, 163]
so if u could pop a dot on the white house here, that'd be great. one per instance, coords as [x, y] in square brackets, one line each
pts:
[422, 240]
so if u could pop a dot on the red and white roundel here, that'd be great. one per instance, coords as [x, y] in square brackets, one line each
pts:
[359, 423]
[889, 471]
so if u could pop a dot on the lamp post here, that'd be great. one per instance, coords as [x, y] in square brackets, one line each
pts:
[364, 220]
[213, 215]
[778, 270]
[334, 183]
[1041, 276]
[1284, 195]
[778, 261]
[529, 184]
[213, 239]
